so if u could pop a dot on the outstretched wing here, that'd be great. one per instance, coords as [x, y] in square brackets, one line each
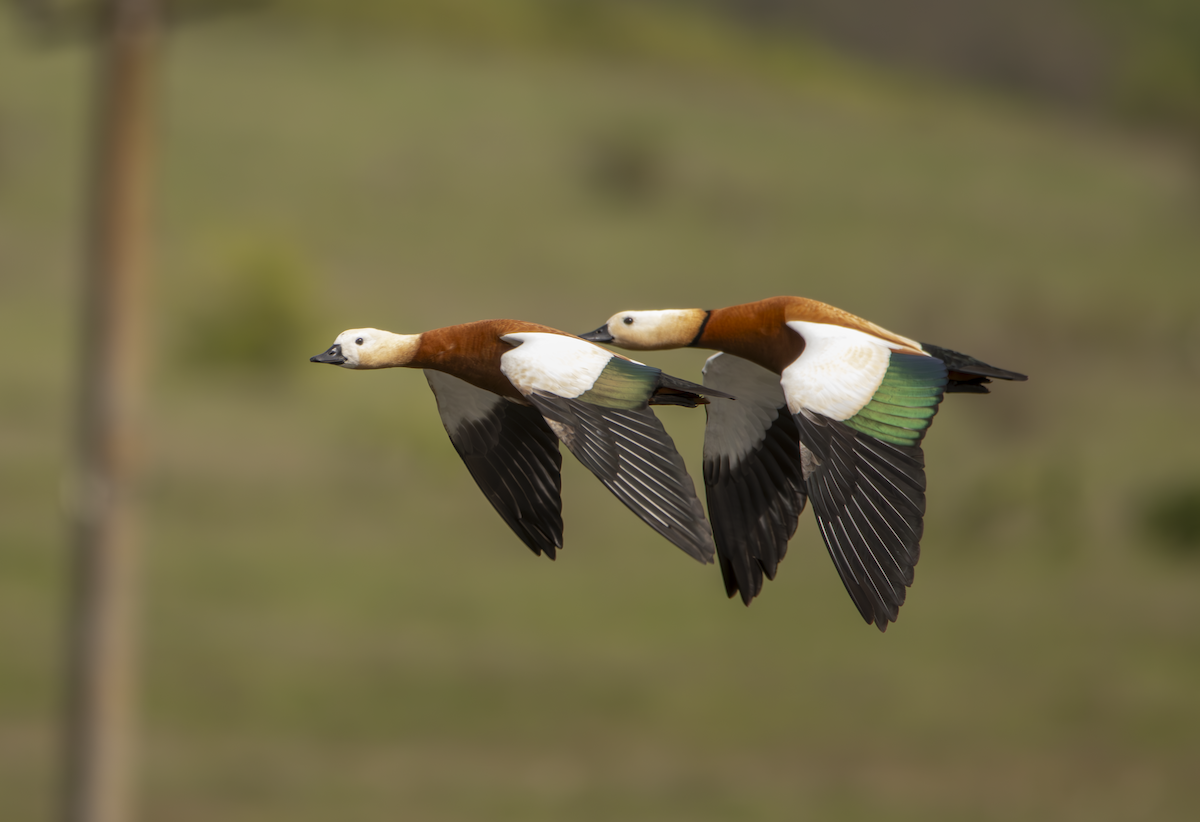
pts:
[862, 410]
[629, 451]
[869, 500]
[597, 404]
[752, 473]
[511, 453]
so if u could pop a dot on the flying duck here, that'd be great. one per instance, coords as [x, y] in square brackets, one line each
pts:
[509, 391]
[830, 407]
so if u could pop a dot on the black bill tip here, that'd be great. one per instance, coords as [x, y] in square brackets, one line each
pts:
[600, 335]
[333, 356]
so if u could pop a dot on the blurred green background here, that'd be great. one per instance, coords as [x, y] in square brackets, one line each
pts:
[338, 626]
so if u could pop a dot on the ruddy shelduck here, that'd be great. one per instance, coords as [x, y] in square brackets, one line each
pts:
[508, 392]
[830, 407]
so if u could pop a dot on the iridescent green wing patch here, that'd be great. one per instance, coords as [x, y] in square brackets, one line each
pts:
[905, 402]
[623, 384]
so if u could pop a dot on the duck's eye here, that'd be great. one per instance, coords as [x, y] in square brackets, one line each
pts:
[628, 321]
[358, 341]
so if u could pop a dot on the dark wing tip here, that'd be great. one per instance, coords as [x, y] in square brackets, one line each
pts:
[513, 456]
[754, 504]
[630, 452]
[869, 500]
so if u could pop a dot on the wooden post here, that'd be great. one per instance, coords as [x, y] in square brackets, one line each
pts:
[98, 783]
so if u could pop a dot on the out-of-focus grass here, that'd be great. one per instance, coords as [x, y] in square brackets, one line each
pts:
[338, 626]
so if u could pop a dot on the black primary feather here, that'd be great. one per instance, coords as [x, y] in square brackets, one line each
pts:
[869, 500]
[511, 454]
[631, 453]
[514, 458]
[754, 506]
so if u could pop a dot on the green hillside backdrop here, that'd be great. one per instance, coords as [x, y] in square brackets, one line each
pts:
[338, 626]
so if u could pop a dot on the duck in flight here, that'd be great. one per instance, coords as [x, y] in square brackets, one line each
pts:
[830, 408]
[508, 392]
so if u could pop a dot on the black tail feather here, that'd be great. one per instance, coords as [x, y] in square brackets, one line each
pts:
[975, 386]
[965, 364]
[674, 391]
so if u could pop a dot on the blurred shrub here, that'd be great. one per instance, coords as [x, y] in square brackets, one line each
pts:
[1172, 518]
[626, 164]
[259, 320]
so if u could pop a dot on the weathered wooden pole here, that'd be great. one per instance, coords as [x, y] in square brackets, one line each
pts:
[98, 780]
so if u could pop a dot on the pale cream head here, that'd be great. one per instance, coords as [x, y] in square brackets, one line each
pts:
[654, 330]
[371, 348]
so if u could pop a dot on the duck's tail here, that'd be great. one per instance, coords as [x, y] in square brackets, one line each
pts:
[674, 391]
[967, 374]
